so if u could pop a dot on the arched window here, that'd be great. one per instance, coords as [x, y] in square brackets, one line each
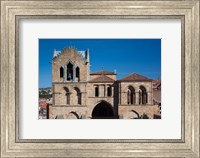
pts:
[109, 91]
[70, 72]
[143, 98]
[78, 73]
[61, 72]
[131, 95]
[78, 95]
[96, 91]
[67, 95]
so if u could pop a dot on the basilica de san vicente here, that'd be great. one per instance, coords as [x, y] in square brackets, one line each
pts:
[80, 94]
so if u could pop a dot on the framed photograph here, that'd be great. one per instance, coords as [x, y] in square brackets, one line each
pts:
[100, 78]
[69, 90]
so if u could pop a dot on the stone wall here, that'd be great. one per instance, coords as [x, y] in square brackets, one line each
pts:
[93, 100]
[95, 76]
[123, 88]
[60, 93]
[67, 111]
[66, 93]
[69, 55]
[135, 111]
[102, 89]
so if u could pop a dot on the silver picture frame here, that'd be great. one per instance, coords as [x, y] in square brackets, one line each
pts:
[13, 11]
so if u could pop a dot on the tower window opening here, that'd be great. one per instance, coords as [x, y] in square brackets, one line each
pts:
[69, 72]
[78, 73]
[61, 72]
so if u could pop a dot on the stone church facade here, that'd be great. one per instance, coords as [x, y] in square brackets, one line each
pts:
[80, 94]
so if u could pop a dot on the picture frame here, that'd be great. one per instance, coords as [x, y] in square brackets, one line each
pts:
[13, 11]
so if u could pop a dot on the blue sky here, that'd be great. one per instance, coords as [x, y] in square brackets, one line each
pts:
[126, 56]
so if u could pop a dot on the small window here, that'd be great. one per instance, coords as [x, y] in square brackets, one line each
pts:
[143, 97]
[96, 91]
[109, 91]
[78, 95]
[131, 95]
[69, 72]
[77, 72]
[67, 95]
[61, 72]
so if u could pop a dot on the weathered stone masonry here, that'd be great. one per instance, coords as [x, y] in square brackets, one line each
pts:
[79, 94]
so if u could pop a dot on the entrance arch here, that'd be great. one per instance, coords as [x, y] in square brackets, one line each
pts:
[103, 110]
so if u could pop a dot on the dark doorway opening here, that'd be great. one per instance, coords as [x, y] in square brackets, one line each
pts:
[103, 110]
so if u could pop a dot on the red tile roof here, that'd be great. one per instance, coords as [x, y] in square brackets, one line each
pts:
[135, 77]
[102, 78]
[102, 72]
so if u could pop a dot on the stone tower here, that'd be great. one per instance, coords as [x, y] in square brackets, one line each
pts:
[70, 73]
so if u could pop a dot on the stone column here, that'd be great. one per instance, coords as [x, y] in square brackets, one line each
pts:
[112, 91]
[94, 90]
[83, 94]
[106, 94]
[72, 98]
[136, 98]
[74, 73]
[101, 90]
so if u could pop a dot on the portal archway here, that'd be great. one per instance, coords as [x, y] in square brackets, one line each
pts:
[103, 110]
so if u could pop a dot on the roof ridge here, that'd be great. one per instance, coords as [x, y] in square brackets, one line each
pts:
[102, 72]
[102, 78]
[135, 77]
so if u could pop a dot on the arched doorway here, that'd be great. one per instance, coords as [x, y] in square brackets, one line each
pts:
[103, 110]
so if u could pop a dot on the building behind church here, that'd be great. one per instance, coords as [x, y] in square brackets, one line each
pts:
[79, 94]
